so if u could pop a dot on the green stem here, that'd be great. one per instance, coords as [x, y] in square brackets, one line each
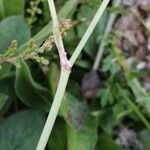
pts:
[64, 79]
[136, 110]
[54, 109]
[58, 38]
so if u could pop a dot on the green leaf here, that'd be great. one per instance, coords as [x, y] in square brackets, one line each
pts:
[3, 99]
[6, 71]
[73, 111]
[7, 88]
[109, 64]
[13, 28]
[81, 127]
[85, 138]
[106, 143]
[22, 130]
[106, 97]
[31, 93]
[7, 8]
[58, 135]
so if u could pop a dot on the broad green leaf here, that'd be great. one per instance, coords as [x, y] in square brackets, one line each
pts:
[3, 99]
[85, 138]
[6, 71]
[30, 92]
[7, 89]
[58, 137]
[106, 143]
[13, 28]
[81, 126]
[11, 7]
[22, 130]
[73, 111]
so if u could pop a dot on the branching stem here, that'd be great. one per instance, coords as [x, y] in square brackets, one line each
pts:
[65, 67]
[58, 39]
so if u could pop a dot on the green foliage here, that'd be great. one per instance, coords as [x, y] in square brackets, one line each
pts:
[58, 138]
[106, 142]
[106, 97]
[109, 64]
[82, 124]
[74, 111]
[7, 8]
[21, 130]
[13, 28]
[85, 18]
[30, 92]
[3, 99]
[85, 138]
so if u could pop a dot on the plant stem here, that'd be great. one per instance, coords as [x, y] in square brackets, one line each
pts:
[54, 109]
[89, 31]
[65, 72]
[111, 20]
[57, 35]
[136, 109]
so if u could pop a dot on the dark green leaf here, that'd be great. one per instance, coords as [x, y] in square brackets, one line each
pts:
[13, 28]
[58, 138]
[6, 71]
[85, 138]
[30, 92]
[7, 88]
[3, 99]
[21, 131]
[73, 111]
[81, 125]
[107, 143]
[7, 8]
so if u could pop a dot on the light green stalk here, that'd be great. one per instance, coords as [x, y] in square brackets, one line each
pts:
[65, 72]
[54, 109]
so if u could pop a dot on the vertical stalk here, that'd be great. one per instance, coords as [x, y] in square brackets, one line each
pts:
[57, 35]
[65, 68]
[54, 109]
